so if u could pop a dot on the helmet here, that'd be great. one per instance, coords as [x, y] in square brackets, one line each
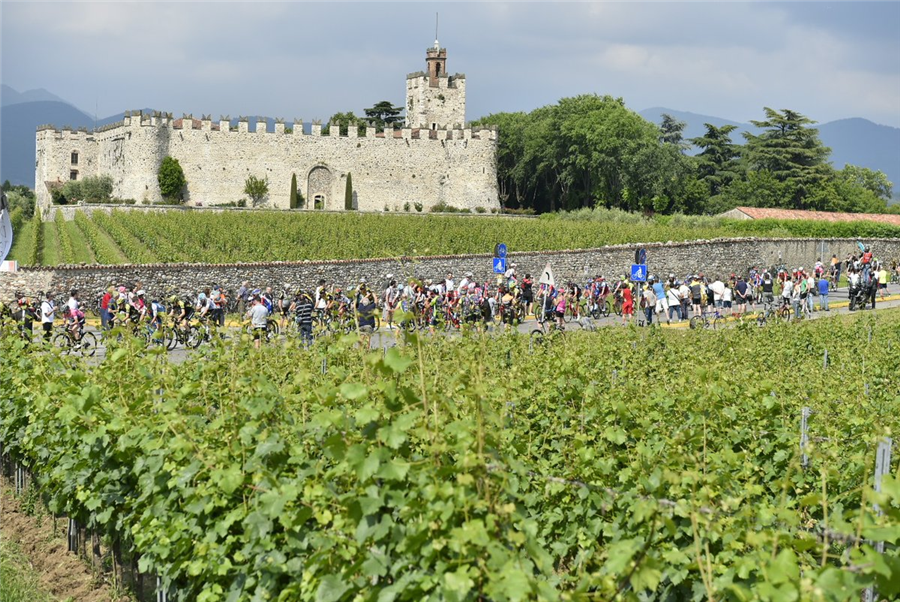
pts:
[173, 299]
[256, 291]
[122, 289]
[141, 293]
[202, 296]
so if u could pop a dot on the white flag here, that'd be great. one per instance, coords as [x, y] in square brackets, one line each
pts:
[547, 276]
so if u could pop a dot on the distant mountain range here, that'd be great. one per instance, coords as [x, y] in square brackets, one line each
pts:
[856, 141]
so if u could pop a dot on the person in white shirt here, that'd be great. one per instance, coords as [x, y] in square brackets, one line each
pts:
[684, 293]
[464, 283]
[674, 298]
[810, 293]
[449, 285]
[48, 314]
[787, 290]
[390, 297]
[718, 289]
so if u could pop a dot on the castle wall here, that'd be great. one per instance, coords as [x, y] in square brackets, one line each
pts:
[456, 167]
[712, 257]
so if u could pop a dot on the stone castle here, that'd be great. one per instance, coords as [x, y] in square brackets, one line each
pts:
[434, 158]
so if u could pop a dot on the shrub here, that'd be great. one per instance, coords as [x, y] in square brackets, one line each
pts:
[418, 206]
[480, 210]
[171, 179]
[406, 206]
[257, 189]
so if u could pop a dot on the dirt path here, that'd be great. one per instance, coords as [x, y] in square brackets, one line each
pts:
[61, 573]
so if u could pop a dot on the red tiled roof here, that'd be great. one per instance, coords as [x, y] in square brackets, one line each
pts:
[824, 216]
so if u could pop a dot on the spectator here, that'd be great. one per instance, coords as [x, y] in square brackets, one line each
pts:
[48, 313]
[104, 308]
[673, 297]
[648, 303]
[823, 294]
[259, 317]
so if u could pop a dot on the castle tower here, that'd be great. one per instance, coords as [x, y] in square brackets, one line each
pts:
[434, 99]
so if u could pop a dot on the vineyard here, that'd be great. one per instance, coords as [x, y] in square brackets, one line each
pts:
[133, 237]
[632, 465]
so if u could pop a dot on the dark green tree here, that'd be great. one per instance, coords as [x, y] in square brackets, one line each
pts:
[671, 131]
[790, 151]
[343, 120]
[383, 113]
[348, 193]
[257, 189]
[294, 202]
[171, 179]
[718, 163]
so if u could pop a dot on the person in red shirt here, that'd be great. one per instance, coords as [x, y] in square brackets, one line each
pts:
[627, 303]
[104, 308]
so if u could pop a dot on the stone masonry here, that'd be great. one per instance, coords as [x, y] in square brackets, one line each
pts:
[713, 257]
[439, 160]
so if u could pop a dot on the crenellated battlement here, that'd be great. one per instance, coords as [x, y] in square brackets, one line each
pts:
[164, 121]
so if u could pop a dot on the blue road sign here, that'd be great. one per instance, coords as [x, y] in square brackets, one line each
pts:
[500, 250]
[638, 272]
[642, 257]
[499, 265]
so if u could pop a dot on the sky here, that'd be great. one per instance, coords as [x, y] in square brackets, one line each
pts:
[310, 60]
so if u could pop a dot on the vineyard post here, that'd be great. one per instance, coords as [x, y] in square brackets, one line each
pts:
[804, 437]
[882, 467]
[324, 365]
[162, 594]
[825, 360]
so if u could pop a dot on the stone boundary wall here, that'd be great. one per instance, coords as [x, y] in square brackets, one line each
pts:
[68, 211]
[711, 257]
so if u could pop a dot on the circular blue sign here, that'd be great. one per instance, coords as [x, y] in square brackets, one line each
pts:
[500, 250]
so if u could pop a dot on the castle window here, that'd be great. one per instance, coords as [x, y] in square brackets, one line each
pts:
[434, 126]
[74, 158]
[73, 175]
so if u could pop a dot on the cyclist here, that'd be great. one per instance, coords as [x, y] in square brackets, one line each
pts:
[74, 316]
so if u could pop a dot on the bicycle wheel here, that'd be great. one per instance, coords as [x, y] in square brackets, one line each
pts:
[88, 344]
[761, 319]
[696, 322]
[617, 307]
[63, 342]
[785, 313]
[719, 322]
[272, 331]
[537, 338]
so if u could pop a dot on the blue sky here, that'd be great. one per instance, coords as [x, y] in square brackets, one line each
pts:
[310, 60]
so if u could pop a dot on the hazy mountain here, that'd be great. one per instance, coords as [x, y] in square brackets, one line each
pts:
[8, 96]
[856, 141]
[695, 121]
[20, 122]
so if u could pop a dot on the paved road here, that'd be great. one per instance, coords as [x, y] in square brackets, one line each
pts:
[387, 338]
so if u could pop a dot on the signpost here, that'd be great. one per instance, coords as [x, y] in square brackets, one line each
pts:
[639, 272]
[500, 250]
[499, 265]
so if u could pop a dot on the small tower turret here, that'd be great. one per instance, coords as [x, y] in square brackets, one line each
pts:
[435, 99]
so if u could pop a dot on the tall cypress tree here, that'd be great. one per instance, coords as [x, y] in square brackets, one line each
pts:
[293, 191]
[348, 193]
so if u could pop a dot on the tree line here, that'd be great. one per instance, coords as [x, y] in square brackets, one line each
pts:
[592, 151]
